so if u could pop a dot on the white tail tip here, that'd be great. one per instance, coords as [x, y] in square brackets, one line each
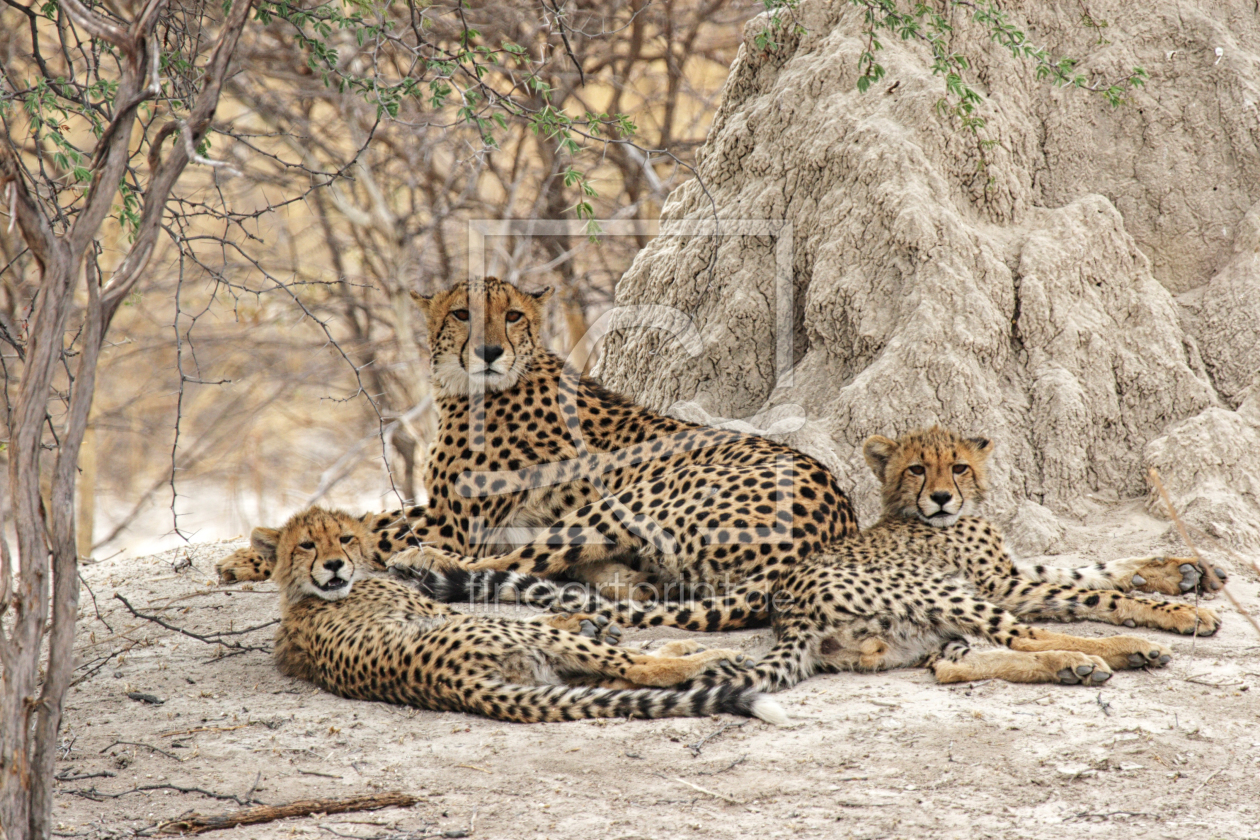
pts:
[769, 711]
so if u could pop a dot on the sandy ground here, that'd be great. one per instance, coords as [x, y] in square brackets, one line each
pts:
[1173, 753]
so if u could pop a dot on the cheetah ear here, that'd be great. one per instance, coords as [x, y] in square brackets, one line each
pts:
[542, 295]
[878, 450]
[421, 301]
[982, 446]
[264, 541]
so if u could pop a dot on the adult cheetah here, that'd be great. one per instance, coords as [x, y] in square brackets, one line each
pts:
[617, 494]
[912, 588]
[370, 638]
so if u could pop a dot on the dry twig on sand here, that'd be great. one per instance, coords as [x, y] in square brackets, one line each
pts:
[1213, 579]
[197, 823]
[210, 638]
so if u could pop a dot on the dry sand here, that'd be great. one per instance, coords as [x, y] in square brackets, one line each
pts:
[1173, 753]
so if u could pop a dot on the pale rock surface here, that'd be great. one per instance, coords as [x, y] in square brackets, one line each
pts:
[1024, 290]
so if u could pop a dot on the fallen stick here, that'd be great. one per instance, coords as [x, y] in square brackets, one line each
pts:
[1217, 583]
[703, 790]
[197, 823]
[210, 639]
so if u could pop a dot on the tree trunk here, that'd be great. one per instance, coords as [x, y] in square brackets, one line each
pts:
[87, 494]
[30, 715]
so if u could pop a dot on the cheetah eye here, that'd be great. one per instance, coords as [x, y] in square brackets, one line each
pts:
[308, 545]
[917, 469]
[959, 469]
[460, 314]
[347, 539]
[514, 316]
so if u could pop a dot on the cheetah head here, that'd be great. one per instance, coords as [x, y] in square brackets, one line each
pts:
[482, 334]
[318, 553]
[932, 475]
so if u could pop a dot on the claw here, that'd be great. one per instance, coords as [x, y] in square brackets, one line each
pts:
[1138, 580]
[1190, 577]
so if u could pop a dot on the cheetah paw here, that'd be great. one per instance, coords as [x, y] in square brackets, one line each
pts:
[679, 647]
[241, 565]
[1193, 621]
[1084, 673]
[1176, 576]
[424, 558]
[1135, 652]
[1151, 659]
[591, 625]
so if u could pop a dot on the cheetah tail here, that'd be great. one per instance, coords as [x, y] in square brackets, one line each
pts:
[557, 703]
[490, 587]
[759, 678]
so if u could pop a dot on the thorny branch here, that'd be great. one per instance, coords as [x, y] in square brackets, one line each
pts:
[208, 638]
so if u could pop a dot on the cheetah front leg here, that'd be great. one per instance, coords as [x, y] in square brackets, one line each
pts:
[671, 665]
[1166, 575]
[1069, 603]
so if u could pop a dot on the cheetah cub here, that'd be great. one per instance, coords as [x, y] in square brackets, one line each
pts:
[915, 587]
[370, 638]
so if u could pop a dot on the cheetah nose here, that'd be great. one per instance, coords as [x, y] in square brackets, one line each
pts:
[488, 353]
[333, 565]
[941, 497]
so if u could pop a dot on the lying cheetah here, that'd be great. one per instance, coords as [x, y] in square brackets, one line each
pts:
[925, 576]
[370, 638]
[524, 441]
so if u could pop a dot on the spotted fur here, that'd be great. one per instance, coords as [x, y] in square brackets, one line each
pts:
[371, 638]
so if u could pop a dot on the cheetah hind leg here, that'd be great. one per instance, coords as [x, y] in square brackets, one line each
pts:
[958, 662]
